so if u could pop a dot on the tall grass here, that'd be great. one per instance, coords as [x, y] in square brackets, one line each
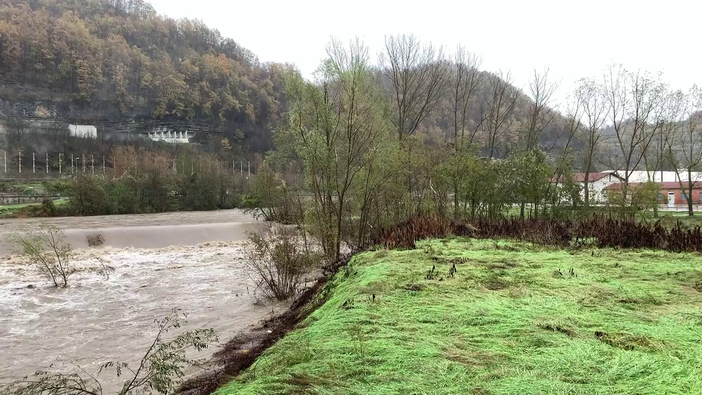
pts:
[515, 319]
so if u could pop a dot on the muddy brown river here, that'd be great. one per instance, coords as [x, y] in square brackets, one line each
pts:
[190, 261]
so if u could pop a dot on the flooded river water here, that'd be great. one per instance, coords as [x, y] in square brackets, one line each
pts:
[190, 261]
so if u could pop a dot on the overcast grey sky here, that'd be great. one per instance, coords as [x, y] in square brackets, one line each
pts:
[573, 38]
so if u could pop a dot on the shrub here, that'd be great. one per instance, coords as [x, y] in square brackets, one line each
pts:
[89, 195]
[61, 187]
[278, 259]
[96, 240]
[272, 199]
[47, 248]
[48, 208]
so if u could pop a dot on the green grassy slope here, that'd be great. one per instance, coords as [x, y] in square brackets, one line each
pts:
[14, 209]
[507, 323]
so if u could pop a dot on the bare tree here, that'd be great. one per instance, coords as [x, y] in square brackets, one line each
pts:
[418, 76]
[633, 101]
[683, 137]
[539, 116]
[569, 131]
[499, 107]
[656, 153]
[278, 259]
[594, 105]
[466, 78]
[541, 113]
[48, 249]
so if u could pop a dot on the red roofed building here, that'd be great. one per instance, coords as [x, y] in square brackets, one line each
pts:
[592, 177]
[671, 192]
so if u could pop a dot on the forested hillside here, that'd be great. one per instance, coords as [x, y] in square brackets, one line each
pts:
[97, 61]
[443, 120]
[117, 59]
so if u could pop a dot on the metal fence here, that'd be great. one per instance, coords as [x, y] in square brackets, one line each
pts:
[46, 166]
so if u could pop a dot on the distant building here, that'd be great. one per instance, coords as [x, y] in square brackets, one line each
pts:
[670, 193]
[86, 131]
[639, 176]
[597, 182]
[170, 137]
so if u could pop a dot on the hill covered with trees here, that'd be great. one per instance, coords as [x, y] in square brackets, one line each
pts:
[119, 59]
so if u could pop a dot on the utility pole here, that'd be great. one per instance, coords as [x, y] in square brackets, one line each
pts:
[72, 165]
[249, 170]
[47, 163]
[60, 162]
[82, 159]
[241, 168]
[34, 164]
[20, 161]
[5, 160]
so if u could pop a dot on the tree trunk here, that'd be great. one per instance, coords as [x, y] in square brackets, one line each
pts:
[587, 189]
[455, 200]
[625, 189]
[690, 184]
[337, 245]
